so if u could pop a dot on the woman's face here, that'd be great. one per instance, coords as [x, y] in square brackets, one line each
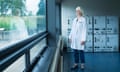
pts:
[78, 13]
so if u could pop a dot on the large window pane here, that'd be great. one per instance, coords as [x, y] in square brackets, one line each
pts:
[36, 49]
[21, 18]
[17, 66]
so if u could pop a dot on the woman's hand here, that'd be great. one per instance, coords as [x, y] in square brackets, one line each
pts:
[83, 42]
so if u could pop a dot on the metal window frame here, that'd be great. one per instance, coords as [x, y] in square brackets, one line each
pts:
[10, 54]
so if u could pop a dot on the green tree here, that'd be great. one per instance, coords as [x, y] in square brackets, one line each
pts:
[42, 8]
[6, 5]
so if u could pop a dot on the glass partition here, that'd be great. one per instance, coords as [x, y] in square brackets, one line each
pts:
[17, 66]
[20, 19]
[36, 49]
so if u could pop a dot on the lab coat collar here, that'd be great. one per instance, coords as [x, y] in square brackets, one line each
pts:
[79, 20]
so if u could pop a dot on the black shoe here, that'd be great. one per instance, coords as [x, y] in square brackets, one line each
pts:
[75, 66]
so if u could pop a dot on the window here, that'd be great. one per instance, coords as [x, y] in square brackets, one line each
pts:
[21, 18]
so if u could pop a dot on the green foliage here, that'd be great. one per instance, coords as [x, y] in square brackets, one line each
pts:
[5, 23]
[31, 22]
[6, 5]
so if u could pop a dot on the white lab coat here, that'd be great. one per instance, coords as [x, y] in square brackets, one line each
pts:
[20, 29]
[78, 33]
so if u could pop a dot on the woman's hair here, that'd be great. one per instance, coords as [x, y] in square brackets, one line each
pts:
[78, 8]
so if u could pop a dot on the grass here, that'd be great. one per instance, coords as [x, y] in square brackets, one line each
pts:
[5, 23]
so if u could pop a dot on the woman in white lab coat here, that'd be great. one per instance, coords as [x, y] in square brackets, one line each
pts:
[20, 31]
[77, 38]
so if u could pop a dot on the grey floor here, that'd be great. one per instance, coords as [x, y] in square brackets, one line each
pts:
[95, 62]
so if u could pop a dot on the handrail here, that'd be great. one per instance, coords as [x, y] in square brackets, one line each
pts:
[11, 53]
[57, 57]
[16, 46]
[36, 59]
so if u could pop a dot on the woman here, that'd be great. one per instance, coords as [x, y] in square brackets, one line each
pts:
[20, 32]
[77, 38]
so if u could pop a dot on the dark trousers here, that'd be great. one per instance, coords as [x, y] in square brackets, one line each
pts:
[79, 56]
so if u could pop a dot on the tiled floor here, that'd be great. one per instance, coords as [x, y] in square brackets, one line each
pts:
[95, 62]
